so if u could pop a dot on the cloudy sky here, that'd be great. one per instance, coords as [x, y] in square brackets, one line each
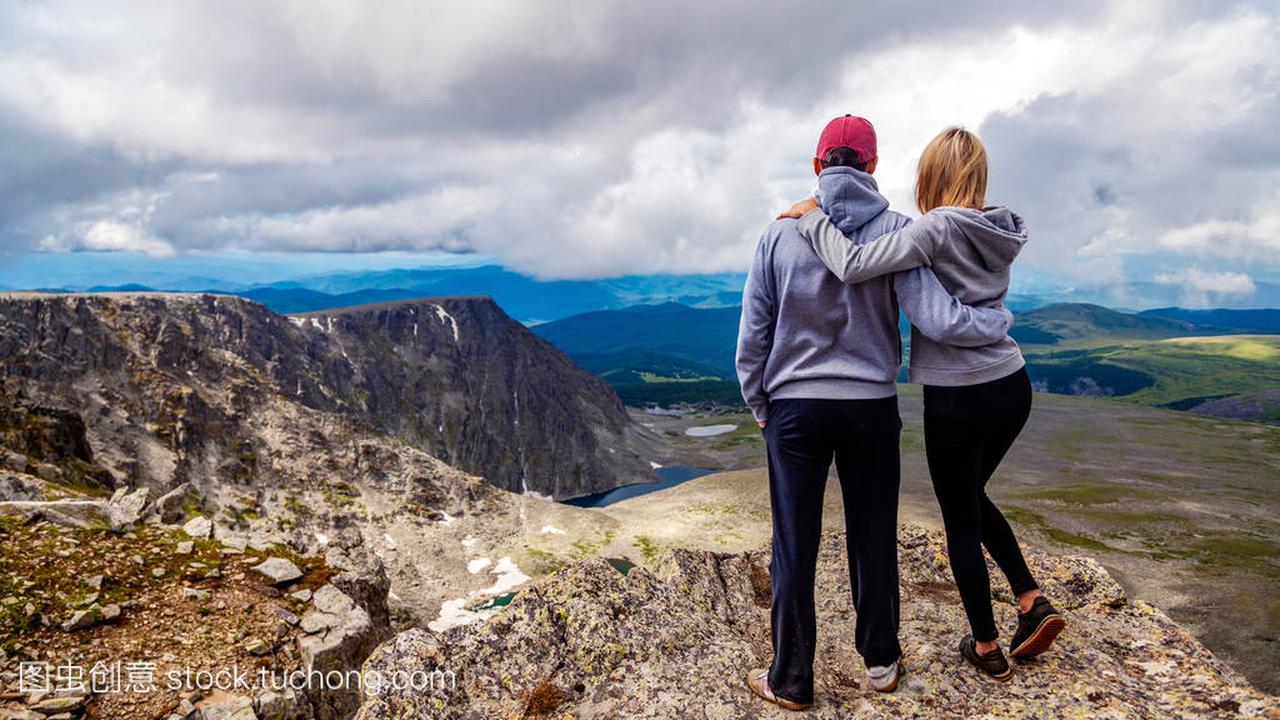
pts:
[594, 139]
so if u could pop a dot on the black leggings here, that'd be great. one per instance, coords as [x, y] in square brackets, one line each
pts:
[967, 432]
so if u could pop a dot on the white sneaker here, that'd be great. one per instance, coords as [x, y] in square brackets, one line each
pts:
[884, 678]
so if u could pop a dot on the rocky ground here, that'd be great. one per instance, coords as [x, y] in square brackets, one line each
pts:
[1182, 510]
[676, 641]
[130, 622]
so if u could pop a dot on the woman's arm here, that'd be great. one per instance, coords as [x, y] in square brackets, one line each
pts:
[902, 249]
[942, 317]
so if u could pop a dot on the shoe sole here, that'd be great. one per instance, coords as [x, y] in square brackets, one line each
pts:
[1042, 639]
[786, 704]
[889, 688]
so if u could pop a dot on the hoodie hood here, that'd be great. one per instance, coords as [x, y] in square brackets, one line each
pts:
[849, 197]
[997, 234]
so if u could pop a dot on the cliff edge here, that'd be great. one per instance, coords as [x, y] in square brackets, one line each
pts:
[676, 641]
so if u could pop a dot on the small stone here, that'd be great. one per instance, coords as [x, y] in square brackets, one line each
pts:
[279, 570]
[257, 646]
[110, 612]
[82, 619]
[195, 594]
[58, 704]
[157, 572]
[303, 595]
[285, 615]
[185, 547]
[198, 527]
[94, 581]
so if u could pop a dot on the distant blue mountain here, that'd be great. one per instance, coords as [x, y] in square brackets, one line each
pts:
[531, 300]
[1265, 321]
[707, 336]
[300, 300]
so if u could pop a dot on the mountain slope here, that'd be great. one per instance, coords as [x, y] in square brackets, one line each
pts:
[164, 382]
[458, 378]
[1264, 320]
[1070, 323]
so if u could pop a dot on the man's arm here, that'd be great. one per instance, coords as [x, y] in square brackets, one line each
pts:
[902, 249]
[755, 333]
[942, 317]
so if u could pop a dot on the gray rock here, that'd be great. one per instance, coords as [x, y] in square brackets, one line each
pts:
[127, 509]
[676, 641]
[257, 646]
[48, 473]
[303, 595]
[15, 487]
[272, 705]
[168, 507]
[280, 571]
[59, 704]
[198, 527]
[15, 461]
[184, 548]
[195, 594]
[233, 707]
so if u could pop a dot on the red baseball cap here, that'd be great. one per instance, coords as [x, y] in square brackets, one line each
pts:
[849, 131]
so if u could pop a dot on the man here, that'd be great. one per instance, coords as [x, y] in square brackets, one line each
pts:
[817, 360]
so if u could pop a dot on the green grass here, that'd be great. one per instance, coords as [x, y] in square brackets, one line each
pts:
[1184, 367]
[656, 378]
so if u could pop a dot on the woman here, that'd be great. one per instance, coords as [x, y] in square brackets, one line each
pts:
[976, 400]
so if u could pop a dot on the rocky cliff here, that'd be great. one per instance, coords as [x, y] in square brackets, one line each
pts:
[675, 642]
[458, 378]
[165, 383]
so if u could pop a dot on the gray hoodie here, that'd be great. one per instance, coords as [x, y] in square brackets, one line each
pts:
[806, 334]
[970, 251]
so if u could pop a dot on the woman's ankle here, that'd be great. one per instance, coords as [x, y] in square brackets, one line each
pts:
[1026, 599]
[984, 647]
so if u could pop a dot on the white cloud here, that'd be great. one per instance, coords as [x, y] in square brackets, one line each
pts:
[577, 141]
[1198, 280]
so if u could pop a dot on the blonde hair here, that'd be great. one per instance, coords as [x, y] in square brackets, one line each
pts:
[952, 171]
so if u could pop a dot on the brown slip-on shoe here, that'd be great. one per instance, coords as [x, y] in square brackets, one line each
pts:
[992, 664]
[1037, 629]
[758, 681]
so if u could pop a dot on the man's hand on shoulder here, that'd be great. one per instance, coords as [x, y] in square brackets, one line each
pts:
[762, 423]
[799, 209]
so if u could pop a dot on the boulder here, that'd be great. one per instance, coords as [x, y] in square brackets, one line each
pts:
[198, 527]
[168, 507]
[341, 635]
[280, 571]
[124, 511]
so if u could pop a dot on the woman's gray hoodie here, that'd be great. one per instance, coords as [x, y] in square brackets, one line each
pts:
[970, 251]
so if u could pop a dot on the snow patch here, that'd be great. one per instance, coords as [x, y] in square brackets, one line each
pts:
[468, 542]
[655, 466]
[709, 430]
[454, 613]
[478, 564]
[390, 541]
[550, 530]
[509, 576]
[445, 317]
[322, 538]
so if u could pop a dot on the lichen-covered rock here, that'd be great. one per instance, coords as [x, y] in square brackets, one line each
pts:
[588, 642]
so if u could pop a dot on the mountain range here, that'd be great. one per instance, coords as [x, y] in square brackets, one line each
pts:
[165, 380]
[669, 353]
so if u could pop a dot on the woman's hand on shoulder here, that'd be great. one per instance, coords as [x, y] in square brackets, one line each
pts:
[799, 209]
